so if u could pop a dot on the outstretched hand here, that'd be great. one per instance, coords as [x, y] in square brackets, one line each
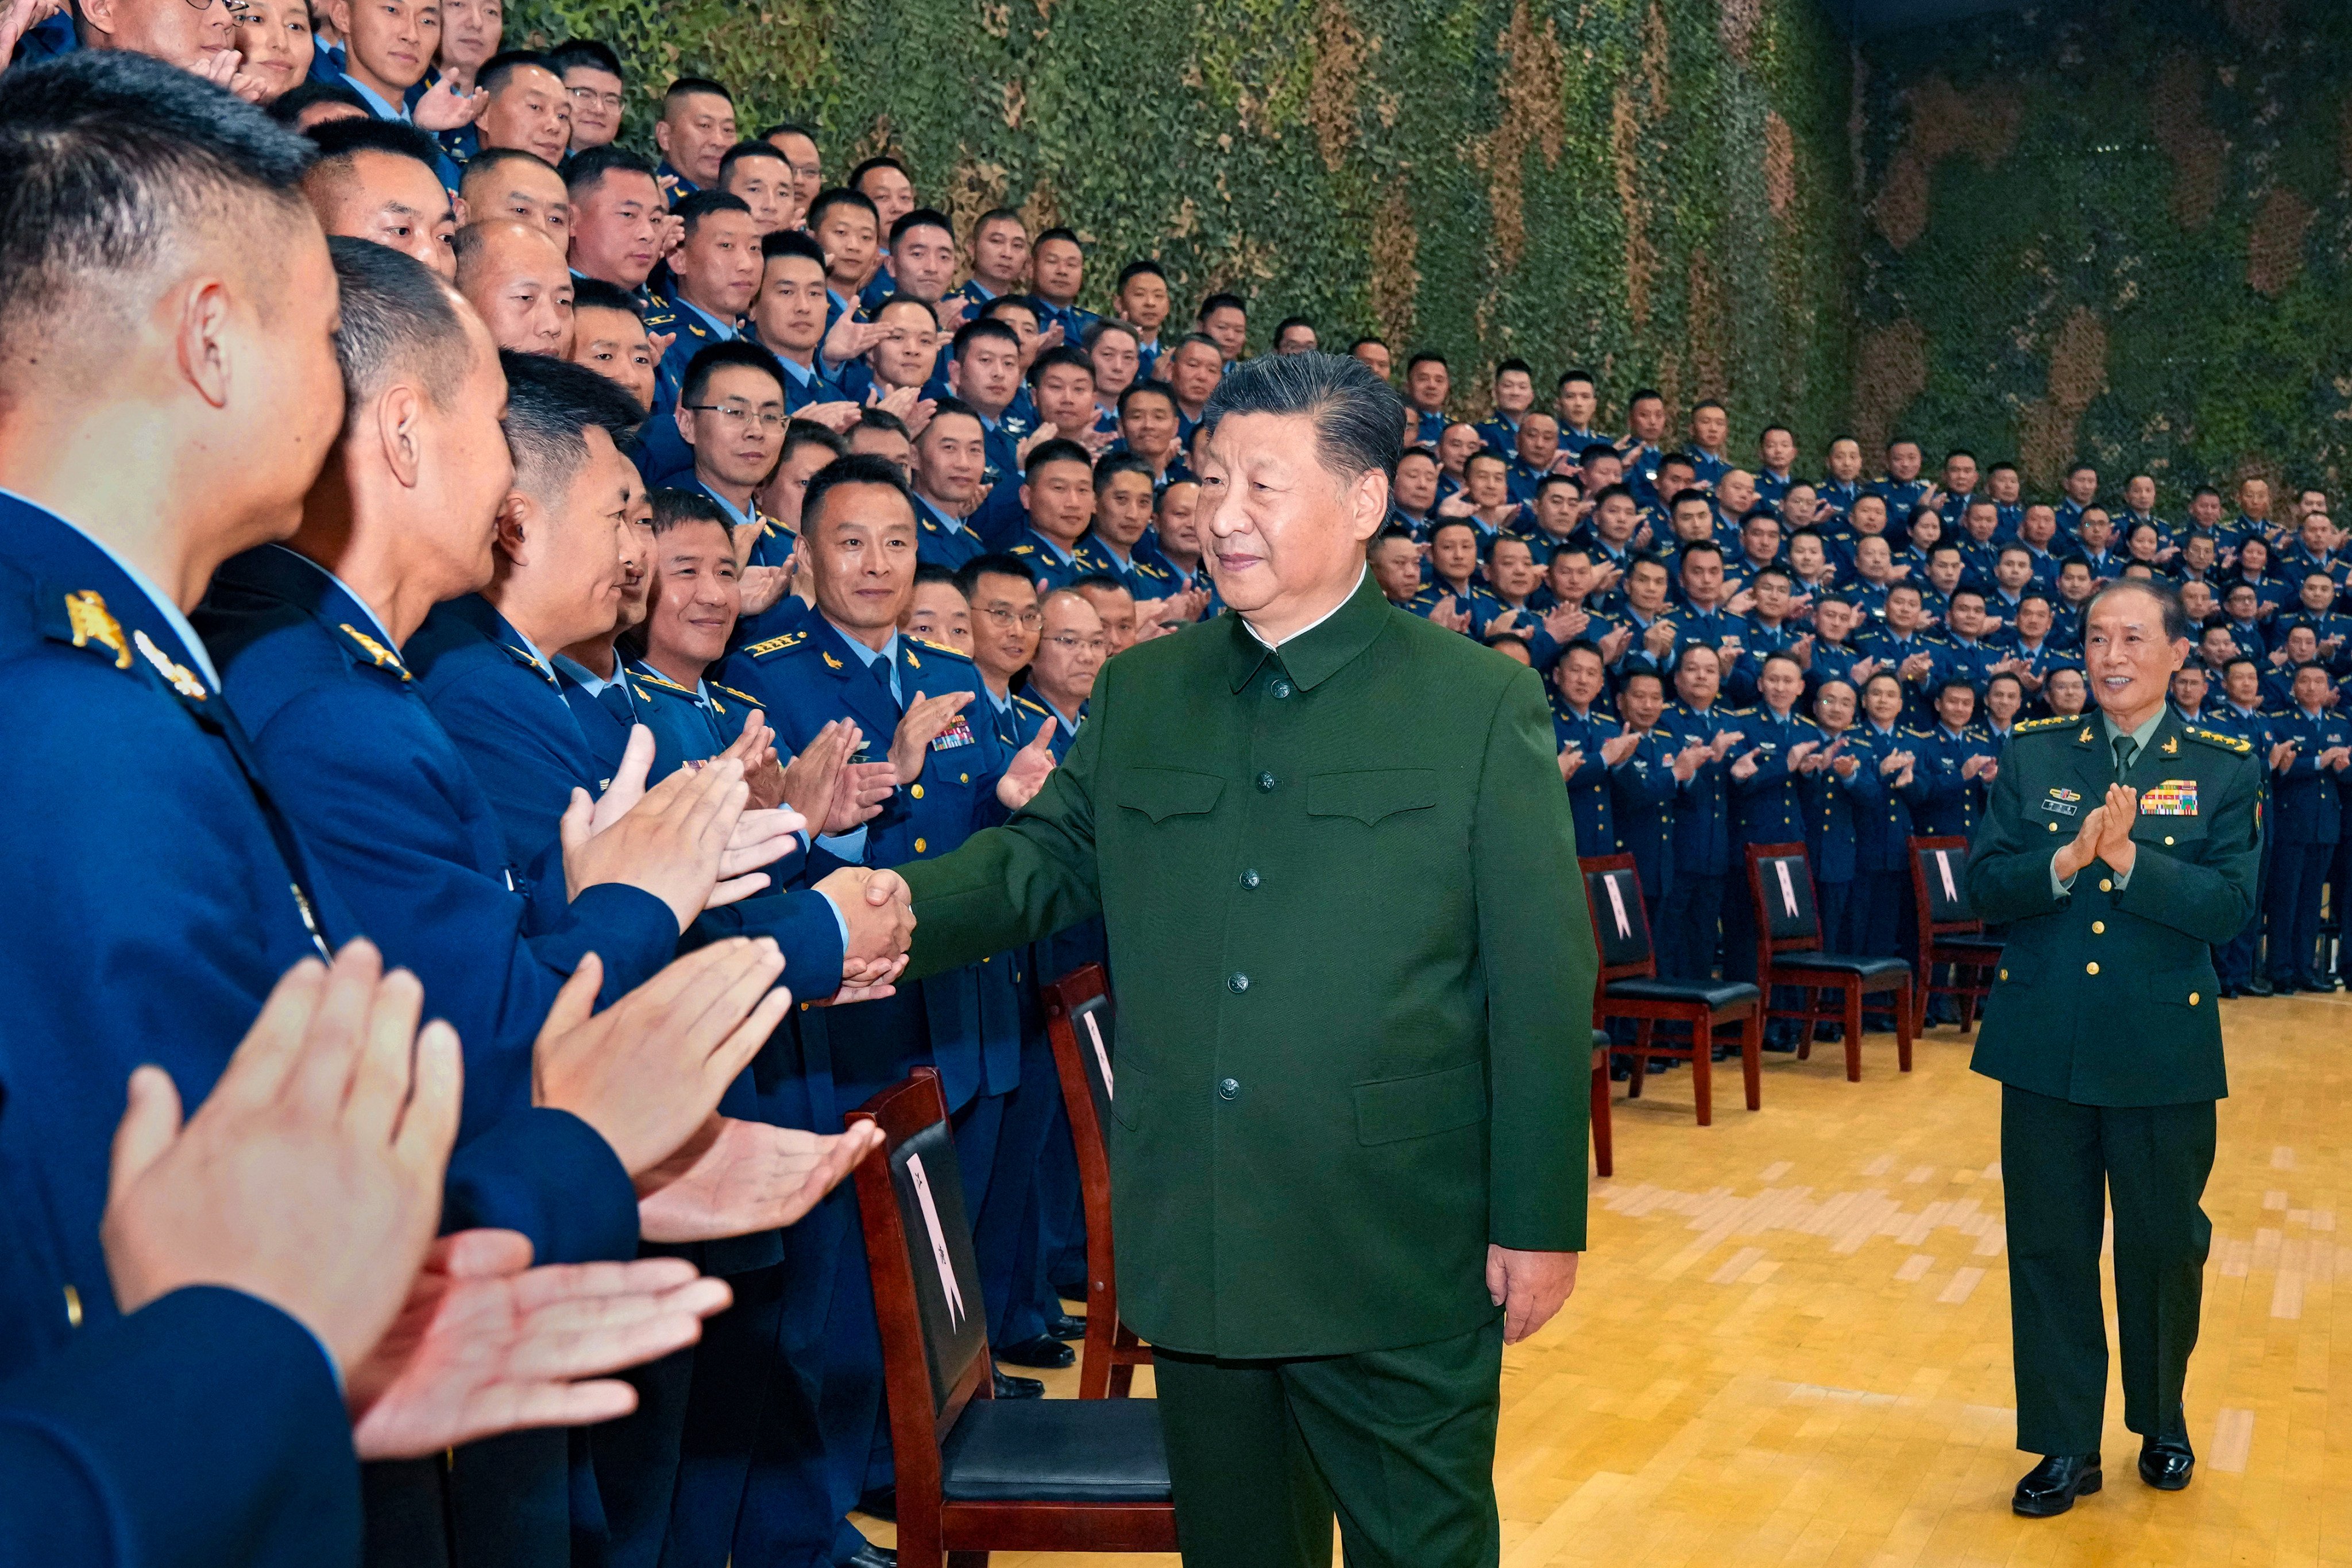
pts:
[1026, 774]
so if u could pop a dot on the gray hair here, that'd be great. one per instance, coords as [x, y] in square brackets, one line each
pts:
[1357, 416]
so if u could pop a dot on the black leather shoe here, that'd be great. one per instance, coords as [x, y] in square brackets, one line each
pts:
[2052, 1486]
[1043, 1351]
[1010, 1387]
[1065, 1326]
[2167, 1463]
[872, 1556]
[882, 1502]
[2258, 986]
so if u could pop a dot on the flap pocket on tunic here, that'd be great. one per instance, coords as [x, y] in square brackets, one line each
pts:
[1372, 793]
[1164, 792]
[1393, 1110]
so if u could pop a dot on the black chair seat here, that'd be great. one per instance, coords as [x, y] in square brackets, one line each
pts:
[1055, 1450]
[1842, 962]
[1715, 994]
[1974, 942]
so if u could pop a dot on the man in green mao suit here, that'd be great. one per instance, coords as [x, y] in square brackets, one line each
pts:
[2120, 848]
[1355, 974]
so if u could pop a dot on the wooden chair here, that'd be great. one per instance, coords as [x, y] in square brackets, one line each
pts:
[1789, 952]
[1629, 987]
[1949, 932]
[977, 1474]
[1080, 1025]
[1603, 1161]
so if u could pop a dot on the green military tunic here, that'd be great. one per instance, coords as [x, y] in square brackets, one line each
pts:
[1354, 973]
[2105, 1030]
[2108, 996]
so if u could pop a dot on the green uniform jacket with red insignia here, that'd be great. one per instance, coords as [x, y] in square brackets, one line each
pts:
[1354, 974]
[2107, 995]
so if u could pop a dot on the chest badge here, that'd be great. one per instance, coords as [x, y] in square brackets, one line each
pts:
[2064, 802]
[959, 733]
[2173, 797]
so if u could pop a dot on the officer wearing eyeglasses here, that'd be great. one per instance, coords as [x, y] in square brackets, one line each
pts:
[730, 413]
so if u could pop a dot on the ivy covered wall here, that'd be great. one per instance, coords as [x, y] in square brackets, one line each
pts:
[2125, 233]
[1658, 188]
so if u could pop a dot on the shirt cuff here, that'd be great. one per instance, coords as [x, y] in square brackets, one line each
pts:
[2060, 887]
[839, 919]
[849, 846]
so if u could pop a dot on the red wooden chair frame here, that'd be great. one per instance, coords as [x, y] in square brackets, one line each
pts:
[1851, 988]
[1703, 1018]
[932, 1530]
[1972, 964]
[1112, 1350]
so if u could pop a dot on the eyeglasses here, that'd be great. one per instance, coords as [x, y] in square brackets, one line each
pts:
[1070, 642]
[736, 413]
[612, 100]
[237, 9]
[1029, 620]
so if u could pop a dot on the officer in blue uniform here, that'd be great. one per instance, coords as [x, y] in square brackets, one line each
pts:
[2307, 823]
[1840, 796]
[859, 525]
[1057, 545]
[1892, 753]
[1959, 762]
[1648, 787]
[1592, 736]
[1689, 922]
[1766, 779]
[127, 776]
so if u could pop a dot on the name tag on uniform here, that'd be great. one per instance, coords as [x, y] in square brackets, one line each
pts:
[958, 733]
[2064, 802]
[2173, 797]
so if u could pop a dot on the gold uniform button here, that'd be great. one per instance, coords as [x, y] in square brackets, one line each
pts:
[2098, 928]
[919, 846]
[73, 1308]
[2167, 838]
[2054, 826]
[2004, 975]
[2106, 884]
[2192, 998]
[2090, 969]
[917, 792]
[963, 778]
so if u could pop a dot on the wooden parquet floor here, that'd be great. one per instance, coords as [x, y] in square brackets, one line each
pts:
[1789, 1343]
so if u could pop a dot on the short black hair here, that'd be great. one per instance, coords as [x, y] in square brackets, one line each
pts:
[787, 128]
[108, 160]
[712, 358]
[1119, 463]
[687, 86]
[1220, 302]
[1064, 356]
[746, 150]
[1145, 267]
[1146, 389]
[947, 408]
[840, 196]
[1103, 581]
[1289, 321]
[499, 66]
[593, 53]
[1422, 357]
[582, 172]
[701, 205]
[799, 433]
[855, 181]
[1057, 450]
[1059, 231]
[490, 159]
[996, 564]
[982, 331]
[853, 468]
[674, 505]
[595, 294]
[918, 217]
[875, 418]
[791, 242]
[933, 572]
[288, 107]
[1514, 362]
[1356, 414]
[396, 315]
[340, 141]
[1568, 375]
[550, 407]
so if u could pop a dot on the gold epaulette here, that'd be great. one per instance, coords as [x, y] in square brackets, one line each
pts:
[663, 681]
[2033, 726]
[739, 696]
[777, 645]
[2225, 743]
[940, 648]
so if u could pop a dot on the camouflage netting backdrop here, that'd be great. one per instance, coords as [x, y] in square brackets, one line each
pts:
[2126, 232]
[1661, 187]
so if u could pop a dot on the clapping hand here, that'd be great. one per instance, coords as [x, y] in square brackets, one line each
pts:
[1974, 763]
[755, 748]
[1744, 766]
[1026, 774]
[1801, 759]
[1570, 759]
[1686, 761]
[445, 108]
[925, 720]
[1443, 613]
[1723, 743]
[1619, 746]
[734, 1177]
[18, 17]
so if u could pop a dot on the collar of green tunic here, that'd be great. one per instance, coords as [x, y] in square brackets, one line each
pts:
[1314, 657]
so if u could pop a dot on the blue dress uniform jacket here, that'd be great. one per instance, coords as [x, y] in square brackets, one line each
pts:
[942, 540]
[1953, 804]
[1768, 806]
[115, 1455]
[1045, 560]
[1703, 819]
[1834, 809]
[1644, 790]
[126, 771]
[1591, 793]
[688, 726]
[385, 800]
[510, 718]
[811, 677]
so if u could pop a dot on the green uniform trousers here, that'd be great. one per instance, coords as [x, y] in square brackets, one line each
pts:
[2058, 1160]
[1402, 1442]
